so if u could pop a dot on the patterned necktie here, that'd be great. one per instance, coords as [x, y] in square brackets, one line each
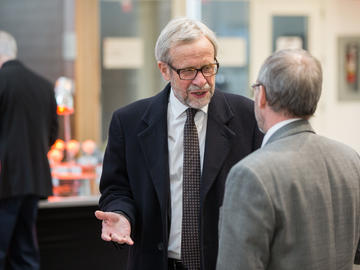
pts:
[190, 243]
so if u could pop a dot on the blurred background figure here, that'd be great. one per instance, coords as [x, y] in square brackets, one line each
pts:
[28, 127]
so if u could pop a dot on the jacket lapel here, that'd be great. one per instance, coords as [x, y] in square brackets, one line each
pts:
[218, 141]
[153, 142]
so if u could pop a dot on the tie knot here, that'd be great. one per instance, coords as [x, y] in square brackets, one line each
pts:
[190, 113]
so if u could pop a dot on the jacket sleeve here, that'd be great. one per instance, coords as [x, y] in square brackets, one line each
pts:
[116, 195]
[54, 125]
[357, 254]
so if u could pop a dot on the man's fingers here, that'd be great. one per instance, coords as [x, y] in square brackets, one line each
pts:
[105, 237]
[122, 239]
[129, 241]
[108, 229]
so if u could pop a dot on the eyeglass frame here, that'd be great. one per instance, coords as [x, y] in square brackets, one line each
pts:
[254, 85]
[257, 84]
[178, 70]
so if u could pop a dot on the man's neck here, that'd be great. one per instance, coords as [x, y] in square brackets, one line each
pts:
[272, 118]
[3, 59]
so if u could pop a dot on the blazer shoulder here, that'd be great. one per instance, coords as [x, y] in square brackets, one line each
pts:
[154, 105]
[337, 147]
[239, 102]
[133, 107]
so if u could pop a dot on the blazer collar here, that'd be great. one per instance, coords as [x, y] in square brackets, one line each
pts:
[291, 129]
[11, 63]
[157, 109]
[153, 140]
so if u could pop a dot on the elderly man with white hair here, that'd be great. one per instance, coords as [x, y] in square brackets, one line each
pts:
[28, 127]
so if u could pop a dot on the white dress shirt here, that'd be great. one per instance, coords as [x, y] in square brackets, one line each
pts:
[176, 117]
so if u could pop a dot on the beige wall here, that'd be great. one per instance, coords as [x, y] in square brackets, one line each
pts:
[341, 119]
[328, 19]
[87, 71]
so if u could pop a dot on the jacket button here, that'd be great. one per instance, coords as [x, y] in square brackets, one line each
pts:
[160, 246]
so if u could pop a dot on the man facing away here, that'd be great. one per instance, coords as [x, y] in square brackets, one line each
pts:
[168, 156]
[294, 203]
[28, 127]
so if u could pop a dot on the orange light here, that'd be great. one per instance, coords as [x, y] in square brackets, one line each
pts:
[88, 147]
[73, 147]
[59, 144]
[55, 155]
[62, 110]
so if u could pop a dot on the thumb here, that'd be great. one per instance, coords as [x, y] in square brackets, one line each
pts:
[100, 215]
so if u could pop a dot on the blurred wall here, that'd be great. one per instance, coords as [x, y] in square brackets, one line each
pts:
[327, 20]
[39, 28]
[42, 28]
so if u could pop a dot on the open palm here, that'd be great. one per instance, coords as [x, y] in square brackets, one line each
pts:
[115, 227]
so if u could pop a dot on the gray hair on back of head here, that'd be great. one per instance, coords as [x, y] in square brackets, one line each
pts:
[293, 80]
[181, 30]
[8, 47]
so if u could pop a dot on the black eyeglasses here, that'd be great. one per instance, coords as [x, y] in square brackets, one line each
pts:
[256, 85]
[253, 86]
[191, 73]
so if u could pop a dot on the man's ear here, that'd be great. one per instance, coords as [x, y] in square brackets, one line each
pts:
[262, 96]
[164, 69]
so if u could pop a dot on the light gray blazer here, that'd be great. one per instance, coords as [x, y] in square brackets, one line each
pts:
[294, 204]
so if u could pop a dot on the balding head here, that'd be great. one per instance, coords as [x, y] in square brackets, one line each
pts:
[292, 81]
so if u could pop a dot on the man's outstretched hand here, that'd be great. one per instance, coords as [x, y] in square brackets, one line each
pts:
[115, 227]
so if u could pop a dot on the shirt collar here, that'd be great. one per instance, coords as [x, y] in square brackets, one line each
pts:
[178, 108]
[276, 127]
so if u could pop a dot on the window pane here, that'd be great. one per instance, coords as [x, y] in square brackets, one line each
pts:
[230, 21]
[129, 30]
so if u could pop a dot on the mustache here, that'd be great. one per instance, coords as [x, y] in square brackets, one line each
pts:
[192, 87]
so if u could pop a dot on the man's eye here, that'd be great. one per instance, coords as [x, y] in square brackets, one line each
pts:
[189, 70]
[207, 68]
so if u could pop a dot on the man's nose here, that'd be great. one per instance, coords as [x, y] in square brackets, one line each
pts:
[200, 79]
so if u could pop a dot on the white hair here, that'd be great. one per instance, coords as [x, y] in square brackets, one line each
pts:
[181, 30]
[8, 46]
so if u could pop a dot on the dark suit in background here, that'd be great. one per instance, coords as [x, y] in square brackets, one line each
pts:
[28, 127]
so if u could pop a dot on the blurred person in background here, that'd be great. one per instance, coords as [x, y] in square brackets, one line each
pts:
[28, 127]
[294, 203]
[157, 196]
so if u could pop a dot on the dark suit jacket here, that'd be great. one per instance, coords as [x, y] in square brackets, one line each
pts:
[135, 178]
[28, 126]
